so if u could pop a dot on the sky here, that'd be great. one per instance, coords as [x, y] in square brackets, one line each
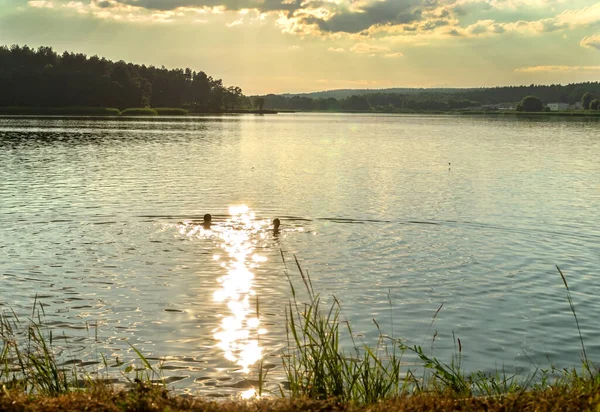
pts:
[278, 46]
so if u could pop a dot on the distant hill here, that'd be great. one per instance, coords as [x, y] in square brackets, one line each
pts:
[343, 93]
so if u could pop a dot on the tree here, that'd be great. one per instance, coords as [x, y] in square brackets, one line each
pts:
[530, 104]
[231, 97]
[586, 99]
[594, 104]
[260, 103]
[41, 77]
[355, 103]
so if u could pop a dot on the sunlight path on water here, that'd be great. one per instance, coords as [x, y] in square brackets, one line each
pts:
[240, 326]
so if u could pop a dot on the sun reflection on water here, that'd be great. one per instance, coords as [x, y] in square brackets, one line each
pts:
[239, 330]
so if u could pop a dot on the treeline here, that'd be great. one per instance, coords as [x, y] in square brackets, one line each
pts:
[555, 93]
[368, 102]
[42, 78]
[435, 100]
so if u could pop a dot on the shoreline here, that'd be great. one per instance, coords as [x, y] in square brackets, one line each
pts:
[147, 397]
[115, 113]
[105, 112]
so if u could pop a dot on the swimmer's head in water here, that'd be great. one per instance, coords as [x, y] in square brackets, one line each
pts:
[207, 218]
[276, 223]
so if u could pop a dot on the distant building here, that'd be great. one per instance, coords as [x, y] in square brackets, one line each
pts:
[558, 107]
[577, 106]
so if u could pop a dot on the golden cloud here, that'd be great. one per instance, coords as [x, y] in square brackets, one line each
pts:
[591, 42]
[41, 4]
[365, 48]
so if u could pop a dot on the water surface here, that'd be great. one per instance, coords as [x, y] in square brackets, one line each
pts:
[100, 219]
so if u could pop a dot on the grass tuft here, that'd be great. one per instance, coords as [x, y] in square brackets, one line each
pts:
[317, 367]
[588, 366]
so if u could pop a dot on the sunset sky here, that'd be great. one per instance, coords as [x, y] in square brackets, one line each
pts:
[276, 46]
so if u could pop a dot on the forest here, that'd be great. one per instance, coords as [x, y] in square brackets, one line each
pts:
[43, 78]
[419, 100]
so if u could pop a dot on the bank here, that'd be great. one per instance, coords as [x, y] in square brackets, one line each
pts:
[111, 111]
[148, 398]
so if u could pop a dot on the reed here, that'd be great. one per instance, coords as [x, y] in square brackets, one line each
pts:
[29, 364]
[318, 368]
[587, 364]
[27, 360]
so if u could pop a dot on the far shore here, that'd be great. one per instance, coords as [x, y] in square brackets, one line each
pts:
[180, 112]
[109, 111]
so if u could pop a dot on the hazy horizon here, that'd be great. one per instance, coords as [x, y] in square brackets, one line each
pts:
[281, 46]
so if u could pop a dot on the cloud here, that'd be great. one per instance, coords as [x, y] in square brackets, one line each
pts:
[363, 16]
[433, 24]
[76, 5]
[229, 5]
[322, 16]
[41, 4]
[567, 20]
[364, 48]
[591, 42]
[558, 69]
[581, 17]
[393, 55]
[409, 21]
[236, 22]
[336, 50]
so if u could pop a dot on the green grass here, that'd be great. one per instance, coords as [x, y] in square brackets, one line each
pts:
[28, 361]
[139, 111]
[77, 110]
[317, 367]
[321, 374]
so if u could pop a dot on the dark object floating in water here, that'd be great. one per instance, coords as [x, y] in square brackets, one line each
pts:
[276, 224]
[207, 220]
[174, 310]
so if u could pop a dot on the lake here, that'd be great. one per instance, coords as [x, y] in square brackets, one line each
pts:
[394, 215]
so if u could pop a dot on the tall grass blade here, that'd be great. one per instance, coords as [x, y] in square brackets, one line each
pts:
[586, 362]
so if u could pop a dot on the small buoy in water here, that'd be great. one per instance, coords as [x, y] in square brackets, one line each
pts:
[276, 224]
